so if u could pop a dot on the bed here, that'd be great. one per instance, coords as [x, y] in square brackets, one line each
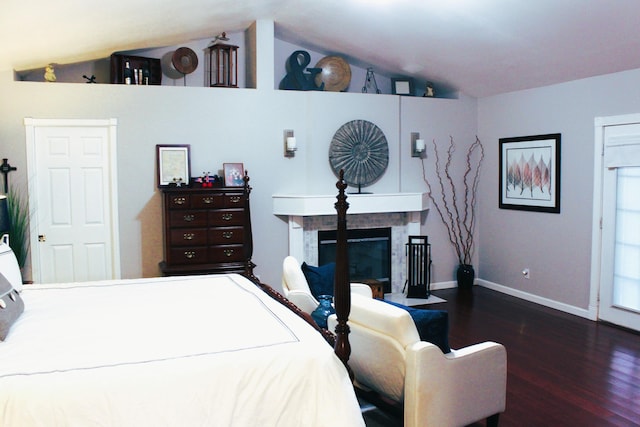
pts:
[213, 350]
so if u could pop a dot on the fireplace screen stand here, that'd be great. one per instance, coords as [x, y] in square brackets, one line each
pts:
[418, 252]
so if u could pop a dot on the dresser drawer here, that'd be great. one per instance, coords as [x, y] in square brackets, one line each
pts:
[187, 218]
[225, 235]
[188, 255]
[188, 237]
[226, 217]
[226, 253]
[207, 201]
[179, 201]
[234, 200]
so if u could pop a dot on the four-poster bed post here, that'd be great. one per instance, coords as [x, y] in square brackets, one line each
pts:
[342, 291]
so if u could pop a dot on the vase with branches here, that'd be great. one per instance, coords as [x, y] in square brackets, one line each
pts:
[455, 202]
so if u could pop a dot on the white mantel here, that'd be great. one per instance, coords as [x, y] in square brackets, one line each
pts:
[298, 206]
[312, 205]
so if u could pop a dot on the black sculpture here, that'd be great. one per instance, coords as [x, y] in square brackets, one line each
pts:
[296, 78]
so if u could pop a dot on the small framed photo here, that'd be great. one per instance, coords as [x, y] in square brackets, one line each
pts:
[530, 173]
[233, 174]
[402, 86]
[173, 165]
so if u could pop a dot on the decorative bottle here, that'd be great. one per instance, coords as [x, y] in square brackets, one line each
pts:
[324, 310]
[127, 73]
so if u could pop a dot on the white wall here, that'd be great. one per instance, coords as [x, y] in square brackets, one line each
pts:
[556, 247]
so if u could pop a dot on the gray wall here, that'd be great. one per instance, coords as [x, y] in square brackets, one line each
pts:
[246, 125]
[231, 125]
[556, 247]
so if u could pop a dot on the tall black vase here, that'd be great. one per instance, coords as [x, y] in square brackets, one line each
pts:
[465, 276]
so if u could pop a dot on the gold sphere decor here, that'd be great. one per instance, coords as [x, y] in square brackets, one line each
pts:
[335, 74]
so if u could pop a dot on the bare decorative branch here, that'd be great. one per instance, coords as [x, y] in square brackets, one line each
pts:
[457, 211]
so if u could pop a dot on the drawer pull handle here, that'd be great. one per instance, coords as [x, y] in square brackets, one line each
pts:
[189, 254]
[189, 218]
[227, 216]
[188, 236]
[207, 200]
[179, 200]
[227, 234]
[234, 199]
[228, 252]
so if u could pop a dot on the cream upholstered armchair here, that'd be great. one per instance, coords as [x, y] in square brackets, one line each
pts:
[297, 290]
[436, 389]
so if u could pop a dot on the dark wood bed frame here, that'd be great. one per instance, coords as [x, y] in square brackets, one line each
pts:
[342, 290]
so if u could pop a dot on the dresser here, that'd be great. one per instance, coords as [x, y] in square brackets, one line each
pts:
[207, 230]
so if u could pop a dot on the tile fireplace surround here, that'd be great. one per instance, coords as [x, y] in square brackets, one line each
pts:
[307, 214]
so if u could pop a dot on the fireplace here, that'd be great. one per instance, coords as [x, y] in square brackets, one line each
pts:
[311, 215]
[369, 252]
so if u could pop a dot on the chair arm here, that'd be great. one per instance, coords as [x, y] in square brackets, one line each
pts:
[457, 388]
[361, 289]
[304, 300]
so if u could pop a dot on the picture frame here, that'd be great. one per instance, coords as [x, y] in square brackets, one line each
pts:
[530, 173]
[402, 86]
[174, 165]
[233, 174]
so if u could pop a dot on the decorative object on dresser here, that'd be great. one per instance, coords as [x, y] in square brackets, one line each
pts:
[174, 167]
[456, 204]
[207, 230]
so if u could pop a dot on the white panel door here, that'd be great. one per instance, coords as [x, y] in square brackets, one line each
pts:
[72, 190]
[620, 262]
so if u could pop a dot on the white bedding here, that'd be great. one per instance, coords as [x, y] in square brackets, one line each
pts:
[188, 351]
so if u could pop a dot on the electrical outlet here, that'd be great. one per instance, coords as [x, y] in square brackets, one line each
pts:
[526, 273]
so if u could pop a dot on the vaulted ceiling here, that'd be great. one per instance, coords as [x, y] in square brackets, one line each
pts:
[480, 47]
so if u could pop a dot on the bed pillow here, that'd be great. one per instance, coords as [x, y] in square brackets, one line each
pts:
[432, 325]
[11, 306]
[320, 279]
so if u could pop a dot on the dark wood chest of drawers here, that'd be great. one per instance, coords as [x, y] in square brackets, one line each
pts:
[207, 230]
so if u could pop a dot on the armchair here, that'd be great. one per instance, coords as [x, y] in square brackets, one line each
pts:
[296, 288]
[436, 389]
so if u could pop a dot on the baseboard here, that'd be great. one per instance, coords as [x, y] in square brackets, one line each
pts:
[577, 311]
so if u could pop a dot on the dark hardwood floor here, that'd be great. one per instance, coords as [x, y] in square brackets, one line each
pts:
[563, 370]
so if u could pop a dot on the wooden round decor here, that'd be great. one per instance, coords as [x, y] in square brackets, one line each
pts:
[359, 148]
[185, 60]
[335, 74]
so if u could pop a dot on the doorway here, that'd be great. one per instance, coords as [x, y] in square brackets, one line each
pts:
[616, 255]
[72, 199]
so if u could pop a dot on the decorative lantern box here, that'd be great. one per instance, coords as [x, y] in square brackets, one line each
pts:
[222, 65]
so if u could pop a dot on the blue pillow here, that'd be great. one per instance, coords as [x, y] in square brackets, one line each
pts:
[432, 325]
[320, 279]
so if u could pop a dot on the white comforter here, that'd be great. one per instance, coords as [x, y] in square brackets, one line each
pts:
[188, 351]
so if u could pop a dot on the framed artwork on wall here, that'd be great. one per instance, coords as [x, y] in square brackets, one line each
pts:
[233, 174]
[530, 173]
[173, 165]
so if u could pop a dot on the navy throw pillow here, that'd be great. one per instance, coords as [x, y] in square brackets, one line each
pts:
[320, 279]
[432, 325]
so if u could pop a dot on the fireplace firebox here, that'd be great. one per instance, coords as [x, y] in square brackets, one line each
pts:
[369, 252]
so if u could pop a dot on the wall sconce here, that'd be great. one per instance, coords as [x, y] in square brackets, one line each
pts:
[417, 145]
[290, 143]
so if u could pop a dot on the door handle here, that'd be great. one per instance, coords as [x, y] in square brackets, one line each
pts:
[42, 238]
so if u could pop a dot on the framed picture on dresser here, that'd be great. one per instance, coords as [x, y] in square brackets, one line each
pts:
[174, 166]
[233, 174]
